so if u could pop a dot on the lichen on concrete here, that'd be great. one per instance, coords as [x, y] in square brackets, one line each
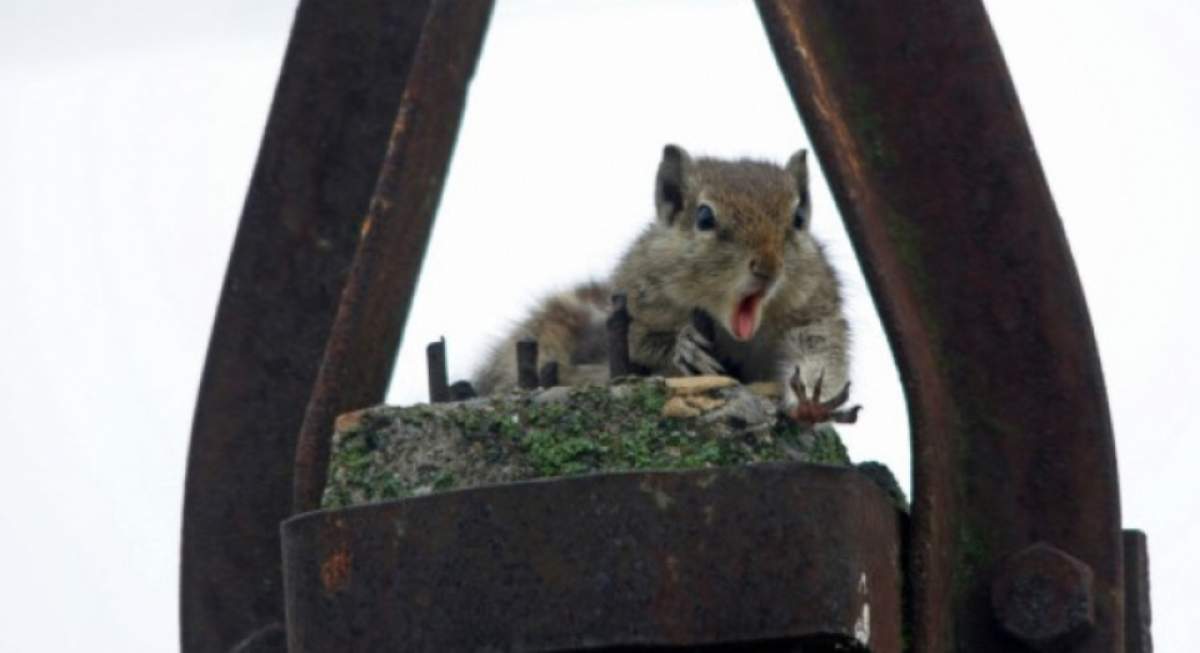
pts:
[635, 424]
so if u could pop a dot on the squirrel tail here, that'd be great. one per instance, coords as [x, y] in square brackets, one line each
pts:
[569, 328]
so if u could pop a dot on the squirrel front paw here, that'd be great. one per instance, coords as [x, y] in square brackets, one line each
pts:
[693, 355]
[809, 409]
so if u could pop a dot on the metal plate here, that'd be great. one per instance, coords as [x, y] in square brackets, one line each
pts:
[782, 553]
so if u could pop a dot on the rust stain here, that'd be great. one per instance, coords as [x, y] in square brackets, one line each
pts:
[824, 99]
[335, 571]
[400, 126]
[591, 563]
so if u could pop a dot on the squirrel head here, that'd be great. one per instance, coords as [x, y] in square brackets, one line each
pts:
[740, 230]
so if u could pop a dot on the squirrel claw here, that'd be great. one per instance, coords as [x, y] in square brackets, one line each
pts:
[811, 410]
[693, 355]
[837, 400]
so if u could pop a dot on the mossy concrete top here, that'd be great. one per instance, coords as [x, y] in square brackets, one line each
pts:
[390, 452]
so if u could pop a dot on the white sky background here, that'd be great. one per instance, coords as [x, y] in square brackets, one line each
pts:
[127, 137]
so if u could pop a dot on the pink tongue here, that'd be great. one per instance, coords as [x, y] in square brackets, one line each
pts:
[743, 317]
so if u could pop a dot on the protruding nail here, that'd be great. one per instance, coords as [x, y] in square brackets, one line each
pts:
[618, 338]
[435, 359]
[527, 356]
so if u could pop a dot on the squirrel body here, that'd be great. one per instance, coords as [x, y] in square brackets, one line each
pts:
[731, 238]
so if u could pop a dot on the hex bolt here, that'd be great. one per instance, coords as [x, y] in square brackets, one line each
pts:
[1043, 598]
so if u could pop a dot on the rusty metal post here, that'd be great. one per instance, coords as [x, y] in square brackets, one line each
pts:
[1137, 593]
[370, 320]
[527, 363]
[341, 83]
[917, 125]
[618, 338]
[435, 360]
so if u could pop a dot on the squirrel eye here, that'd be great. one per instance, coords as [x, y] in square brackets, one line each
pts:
[705, 219]
[800, 217]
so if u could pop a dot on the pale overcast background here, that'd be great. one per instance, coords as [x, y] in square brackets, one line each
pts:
[127, 136]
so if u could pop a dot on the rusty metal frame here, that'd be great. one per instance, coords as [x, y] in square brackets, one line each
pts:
[362, 347]
[338, 93]
[778, 552]
[918, 128]
[917, 125]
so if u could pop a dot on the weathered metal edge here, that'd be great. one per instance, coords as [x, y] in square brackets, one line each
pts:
[362, 346]
[1138, 636]
[338, 92]
[766, 552]
[917, 125]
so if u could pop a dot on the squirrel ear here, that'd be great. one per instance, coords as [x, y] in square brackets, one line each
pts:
[670, 185]
[797, 167]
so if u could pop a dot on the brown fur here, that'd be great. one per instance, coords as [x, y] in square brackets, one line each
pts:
[569, 328]
[674, 267]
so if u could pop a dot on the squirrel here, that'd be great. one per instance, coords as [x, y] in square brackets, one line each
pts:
[731, 239]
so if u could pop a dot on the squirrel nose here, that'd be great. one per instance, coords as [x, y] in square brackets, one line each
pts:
[762, 270]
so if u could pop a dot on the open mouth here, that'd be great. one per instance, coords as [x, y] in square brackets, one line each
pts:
[745, 315]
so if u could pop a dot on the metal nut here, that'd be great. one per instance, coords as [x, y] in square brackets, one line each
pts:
[1043, 597]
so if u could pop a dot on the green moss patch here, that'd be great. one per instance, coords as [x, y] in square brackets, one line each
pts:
[387, 452]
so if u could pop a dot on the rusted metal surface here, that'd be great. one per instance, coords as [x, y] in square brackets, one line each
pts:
[1137, 593]
[361, 349]
[338, 92]
[268, 639]
[435, 359]
[786, 554]
[918, 128]
[1043, 598]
